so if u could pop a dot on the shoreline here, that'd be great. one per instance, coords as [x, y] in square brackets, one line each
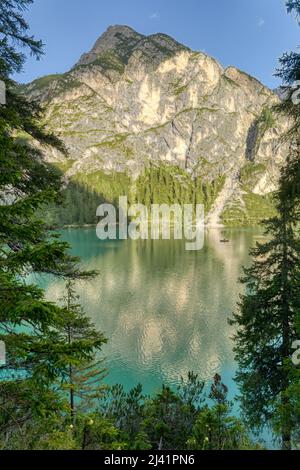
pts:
[206, 226]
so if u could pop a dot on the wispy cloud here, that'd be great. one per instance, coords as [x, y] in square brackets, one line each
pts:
[261, 22]
[154, 16]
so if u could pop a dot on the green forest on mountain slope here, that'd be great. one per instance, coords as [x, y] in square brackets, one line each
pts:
[158, 184]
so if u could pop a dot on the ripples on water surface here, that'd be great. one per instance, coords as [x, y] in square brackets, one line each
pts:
[163, 309]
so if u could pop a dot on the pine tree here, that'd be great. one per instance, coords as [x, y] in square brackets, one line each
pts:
[84, 383]
[214, 427]
[31, 327]
[14, 31]
[268, 318]
[289, 72]
[266, 325]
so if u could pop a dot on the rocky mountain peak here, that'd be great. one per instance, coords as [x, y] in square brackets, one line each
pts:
[118, 38]
[123, 42]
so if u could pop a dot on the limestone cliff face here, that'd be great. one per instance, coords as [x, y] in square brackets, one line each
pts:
[137, 100]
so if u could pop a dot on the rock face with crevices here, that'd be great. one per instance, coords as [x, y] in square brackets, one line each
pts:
[139, 104]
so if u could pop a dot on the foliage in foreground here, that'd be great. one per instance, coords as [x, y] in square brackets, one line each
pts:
[169, 420]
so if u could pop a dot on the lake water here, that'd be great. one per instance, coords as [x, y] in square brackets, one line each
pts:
[163, 309]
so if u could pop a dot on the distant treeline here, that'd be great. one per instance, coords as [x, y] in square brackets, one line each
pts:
[163, 184]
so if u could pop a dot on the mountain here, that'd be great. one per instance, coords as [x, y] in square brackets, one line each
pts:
[148, 117]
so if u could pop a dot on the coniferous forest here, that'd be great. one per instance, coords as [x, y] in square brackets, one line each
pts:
[53, 389]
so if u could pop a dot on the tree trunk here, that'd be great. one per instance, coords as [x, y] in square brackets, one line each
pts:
[72, 404]
[286, 337]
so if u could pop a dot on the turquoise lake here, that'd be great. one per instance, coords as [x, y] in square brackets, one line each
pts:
[163, 309]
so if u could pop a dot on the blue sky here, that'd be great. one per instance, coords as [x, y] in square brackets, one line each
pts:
[250, 34]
